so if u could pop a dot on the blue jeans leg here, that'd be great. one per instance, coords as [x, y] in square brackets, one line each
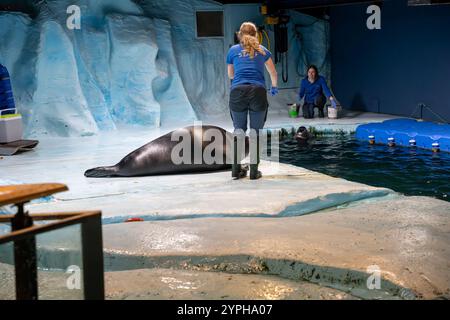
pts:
[239, 120]
[257, 119]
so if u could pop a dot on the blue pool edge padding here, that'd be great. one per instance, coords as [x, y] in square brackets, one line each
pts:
[407, 132]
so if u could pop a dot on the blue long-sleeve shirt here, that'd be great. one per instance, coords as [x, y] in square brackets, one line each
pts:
[312, 90]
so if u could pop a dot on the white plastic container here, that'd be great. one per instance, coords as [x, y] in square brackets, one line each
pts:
[333, 113]
[11, 128]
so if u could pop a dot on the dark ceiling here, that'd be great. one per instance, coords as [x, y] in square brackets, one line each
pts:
[25, 6]
[299, 4]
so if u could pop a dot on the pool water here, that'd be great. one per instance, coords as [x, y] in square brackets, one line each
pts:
[411, 171]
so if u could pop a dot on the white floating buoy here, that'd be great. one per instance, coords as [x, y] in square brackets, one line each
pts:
[435, 147]
[412, 143]
[391, 142]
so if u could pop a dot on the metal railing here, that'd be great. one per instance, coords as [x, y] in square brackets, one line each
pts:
[24, 234]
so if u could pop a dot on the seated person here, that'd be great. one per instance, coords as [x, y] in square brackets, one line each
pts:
[315, 90]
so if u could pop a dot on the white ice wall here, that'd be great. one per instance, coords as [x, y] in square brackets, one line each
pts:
[132, 63]
[119, 69]
[132, 70]
[59, 105]
[200, 61]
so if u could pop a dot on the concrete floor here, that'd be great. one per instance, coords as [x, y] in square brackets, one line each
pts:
[285, 190]
[64, 160]
[406, 237]
[292, 226]
[157, 284]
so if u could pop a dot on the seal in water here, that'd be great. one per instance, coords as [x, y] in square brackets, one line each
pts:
[185, 150]
[302, 136]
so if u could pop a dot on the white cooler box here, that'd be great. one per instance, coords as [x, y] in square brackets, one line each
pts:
[11, 128]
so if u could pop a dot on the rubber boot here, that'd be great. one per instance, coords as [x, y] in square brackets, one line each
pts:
[235, 166]
[254, 172]
[237, 170]
[243, 171]
[254, 161]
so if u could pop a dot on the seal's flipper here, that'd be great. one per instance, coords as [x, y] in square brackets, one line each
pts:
[101, 172]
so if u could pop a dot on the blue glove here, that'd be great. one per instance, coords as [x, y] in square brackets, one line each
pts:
[333, 103]
[273, 91]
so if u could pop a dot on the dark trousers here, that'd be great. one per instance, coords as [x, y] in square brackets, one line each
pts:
[308, 107]
[248, 100]
[257, 120]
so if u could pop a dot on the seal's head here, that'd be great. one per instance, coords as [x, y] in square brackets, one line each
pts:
[302, 135]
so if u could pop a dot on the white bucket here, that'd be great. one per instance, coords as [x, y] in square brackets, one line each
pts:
[332, 113]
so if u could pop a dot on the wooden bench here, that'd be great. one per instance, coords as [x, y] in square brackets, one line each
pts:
[19, 194]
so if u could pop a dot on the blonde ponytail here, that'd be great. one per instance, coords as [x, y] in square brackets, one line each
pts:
[248, 39]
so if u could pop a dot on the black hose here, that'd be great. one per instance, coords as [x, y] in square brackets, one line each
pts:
[284, 66]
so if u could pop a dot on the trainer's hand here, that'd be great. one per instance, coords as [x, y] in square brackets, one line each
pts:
[333, 103]
[273, 91]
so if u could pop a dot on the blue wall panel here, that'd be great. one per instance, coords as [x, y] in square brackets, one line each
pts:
[394, 69]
